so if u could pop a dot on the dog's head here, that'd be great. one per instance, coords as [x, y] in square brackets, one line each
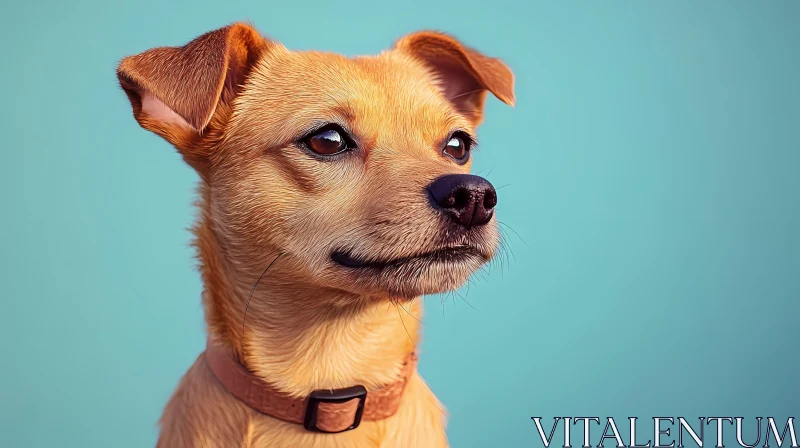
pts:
[355, 169]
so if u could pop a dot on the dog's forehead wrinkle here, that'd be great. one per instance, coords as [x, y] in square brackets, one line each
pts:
[383, 86]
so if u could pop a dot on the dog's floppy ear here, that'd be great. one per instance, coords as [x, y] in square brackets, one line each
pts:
[175, 91]
[464, 74]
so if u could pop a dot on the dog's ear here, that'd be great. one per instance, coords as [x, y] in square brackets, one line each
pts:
[175, 91]
[464, 74]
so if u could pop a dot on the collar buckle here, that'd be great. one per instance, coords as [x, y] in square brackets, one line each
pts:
[335, 396]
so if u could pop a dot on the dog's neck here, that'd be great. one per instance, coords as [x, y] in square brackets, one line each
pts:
[300, 337]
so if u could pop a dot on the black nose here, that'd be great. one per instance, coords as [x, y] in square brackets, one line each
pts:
[468, 200]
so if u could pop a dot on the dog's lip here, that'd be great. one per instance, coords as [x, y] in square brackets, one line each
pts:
[453, 253]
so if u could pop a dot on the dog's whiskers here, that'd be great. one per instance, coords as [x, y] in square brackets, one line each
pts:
[479, 173]
[247, 306]
[404, 323]
[515, 232]
[412, 316]
[464, 94]
[466, 301]
[503, 252]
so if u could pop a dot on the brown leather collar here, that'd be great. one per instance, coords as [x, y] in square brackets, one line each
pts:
[329, 411]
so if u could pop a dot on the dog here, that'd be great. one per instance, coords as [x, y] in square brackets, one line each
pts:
[333, 193]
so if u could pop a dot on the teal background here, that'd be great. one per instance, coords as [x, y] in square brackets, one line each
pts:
[649, 174]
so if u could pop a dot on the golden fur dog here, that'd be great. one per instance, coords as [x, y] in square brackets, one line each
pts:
[320, 167]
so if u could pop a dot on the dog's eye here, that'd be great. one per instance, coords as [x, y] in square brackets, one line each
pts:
[458, 147]
[328, 141]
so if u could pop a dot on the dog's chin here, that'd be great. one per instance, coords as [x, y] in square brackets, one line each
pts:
[432, 272]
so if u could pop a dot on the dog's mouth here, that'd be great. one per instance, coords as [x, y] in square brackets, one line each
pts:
[444, 255]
